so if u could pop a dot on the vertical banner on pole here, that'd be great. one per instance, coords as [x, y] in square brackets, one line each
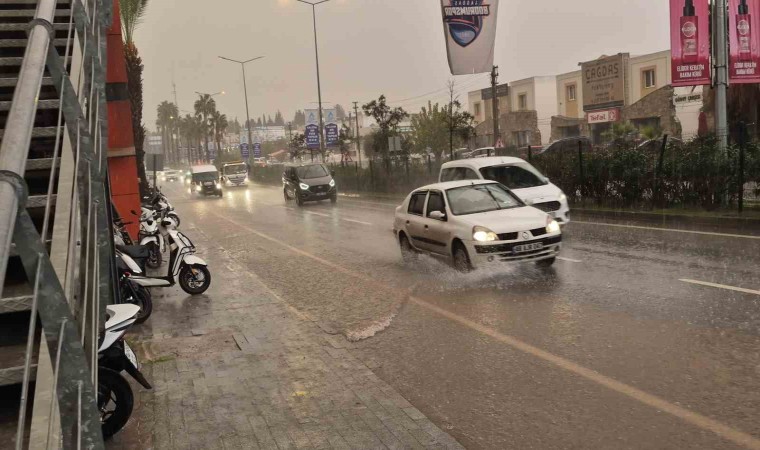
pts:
[690, 42]
[743, 28]
[311, 133]
[244, 152]
[470, 30]
[332, 135]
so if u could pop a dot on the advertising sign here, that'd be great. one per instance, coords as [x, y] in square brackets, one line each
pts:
[312, 128]
[332, 135]
[743, 28]
[604, 82]
[502, 90]
[244, 152]
[689, 42]
[470, 30]
[604, 116]
[257, 149]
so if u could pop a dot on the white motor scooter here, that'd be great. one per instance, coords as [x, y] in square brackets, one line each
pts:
[115, 397]
[151, 237]
[190, 271]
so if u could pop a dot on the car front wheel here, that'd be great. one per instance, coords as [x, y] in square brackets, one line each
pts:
[461, 259]
[408, 254]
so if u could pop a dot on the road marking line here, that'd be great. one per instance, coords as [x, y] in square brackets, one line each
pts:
[696, 419]
[638, 227]
[318, 214]
[562, 258]
[357, 221]
[720, 286]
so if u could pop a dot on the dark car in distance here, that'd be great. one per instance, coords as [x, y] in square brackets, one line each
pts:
[308, 183]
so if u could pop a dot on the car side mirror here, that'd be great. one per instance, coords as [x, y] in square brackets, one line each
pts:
[437, 215]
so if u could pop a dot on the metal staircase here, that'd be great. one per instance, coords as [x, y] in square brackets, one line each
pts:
[55, 244]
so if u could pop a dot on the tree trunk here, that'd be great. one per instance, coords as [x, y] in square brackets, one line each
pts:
[135, 86]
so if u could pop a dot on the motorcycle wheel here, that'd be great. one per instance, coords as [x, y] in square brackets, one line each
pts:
[115, 401]
[155, 258]
[194, 279]
[144, 300]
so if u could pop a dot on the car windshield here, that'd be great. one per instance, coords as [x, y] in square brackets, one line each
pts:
[235, 169]
[205, 176]
[315, 171]
[514, 177]
[480, 198]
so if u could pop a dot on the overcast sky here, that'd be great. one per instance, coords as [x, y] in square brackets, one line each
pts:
[367, 48]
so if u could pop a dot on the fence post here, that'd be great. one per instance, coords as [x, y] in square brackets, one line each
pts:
[530, 153]
[580, 167]
[358, 183]
[371, 176]
[658, 172]
[742, 145]
[430, 165]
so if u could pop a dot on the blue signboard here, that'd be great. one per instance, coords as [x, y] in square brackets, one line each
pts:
[256, 149]
[312, 136]
[332, 137]
[244, 151]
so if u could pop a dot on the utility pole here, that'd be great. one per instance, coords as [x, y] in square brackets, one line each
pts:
[451, 120]
[319, 85]
[721, 74]
[358, 136]
[495, 104]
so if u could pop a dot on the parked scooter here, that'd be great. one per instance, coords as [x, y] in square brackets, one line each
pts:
[115, 397]
[133, 292]
[190, 271]
[158, 202]
[151, 237]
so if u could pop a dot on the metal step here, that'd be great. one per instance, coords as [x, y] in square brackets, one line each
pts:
[39, 132]
[17, 60]
[12, 81]
[29, 12]
[39, 201]
[25, 26]
[41, 163]
[22, 42]
[15, 304]
[42, 104]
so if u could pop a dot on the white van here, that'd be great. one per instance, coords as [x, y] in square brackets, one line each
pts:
[235, 173]
[518, 175]
[205, 180]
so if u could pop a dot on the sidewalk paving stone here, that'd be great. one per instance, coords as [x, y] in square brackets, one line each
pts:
[236, 368]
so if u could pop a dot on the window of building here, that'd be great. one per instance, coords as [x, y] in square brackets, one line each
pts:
[570, 92]
[476, 109]
[522, 138]
[648, 77]
[522, 102]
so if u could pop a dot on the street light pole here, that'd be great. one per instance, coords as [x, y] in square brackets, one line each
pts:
[245, 92]
[319, 86]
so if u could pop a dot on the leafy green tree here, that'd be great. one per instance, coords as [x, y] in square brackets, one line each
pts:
[205, 106]
[340, 113]
[297, 145]
[299, 120]
[167, 113]
[218, 124]
[278, 120]
[132, 13]
[387, 120]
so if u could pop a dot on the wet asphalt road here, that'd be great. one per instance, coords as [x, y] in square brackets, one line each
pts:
[609, 349]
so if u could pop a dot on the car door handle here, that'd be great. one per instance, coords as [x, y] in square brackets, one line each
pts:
[407, 222]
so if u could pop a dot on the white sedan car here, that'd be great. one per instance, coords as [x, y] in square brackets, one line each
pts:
[475, 223]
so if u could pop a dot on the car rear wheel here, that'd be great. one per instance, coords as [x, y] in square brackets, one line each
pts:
[408, 253]
[299, 201]
[461, 259]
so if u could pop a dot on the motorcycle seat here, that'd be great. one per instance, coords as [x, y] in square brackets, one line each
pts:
[134, 251]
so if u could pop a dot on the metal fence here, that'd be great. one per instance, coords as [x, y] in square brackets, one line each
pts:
[70, 286]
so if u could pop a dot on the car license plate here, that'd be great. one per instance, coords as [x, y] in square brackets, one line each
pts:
[321, 194]
[130, 355]
[528, 247]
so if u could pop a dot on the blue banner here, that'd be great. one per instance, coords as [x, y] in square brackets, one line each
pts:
[332, 137]
[312, 136]
[256, 149]
[244, 152]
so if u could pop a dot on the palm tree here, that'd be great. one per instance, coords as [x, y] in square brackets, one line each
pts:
[219, 125]
[132, 12]
[166, 112]
[205, 106]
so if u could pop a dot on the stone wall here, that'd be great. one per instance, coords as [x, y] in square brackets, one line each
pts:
[657, 104]
[559, 122]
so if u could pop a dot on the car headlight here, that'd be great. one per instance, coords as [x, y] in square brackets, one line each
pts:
[197, 188]
[303, 186]
[218, 185]
[562, 197]
[551, 225]
[332, 183]
[483, 234]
